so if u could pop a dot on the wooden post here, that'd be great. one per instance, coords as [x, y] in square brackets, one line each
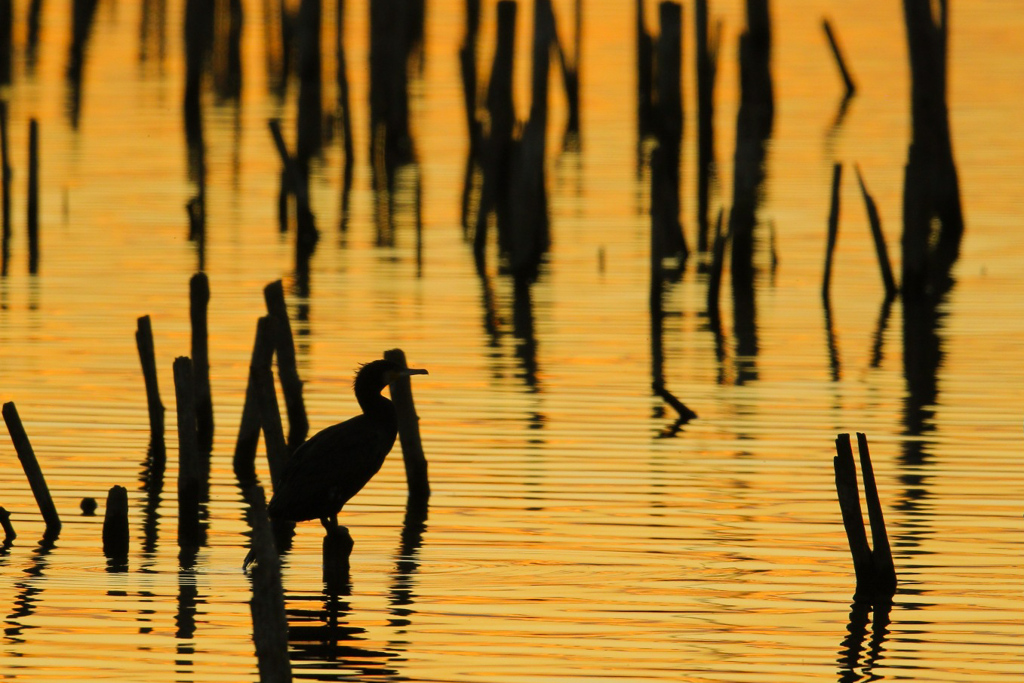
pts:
[6, 24]
[287, 371]
[833, 229]
[269, 622]
[851, 87]
[189, 468]
[249, 429]
[707, 68]
[269, 413]
[306, 233]
[144, 343]
[33, 196]
[337, 548]
[880, 247]
[115, 524]
[409, 431]
[5, 522]
[881, 553]
[32, 471]
[719, 243]
[199, 298]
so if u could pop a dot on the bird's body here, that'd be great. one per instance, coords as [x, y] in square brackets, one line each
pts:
[334, 465]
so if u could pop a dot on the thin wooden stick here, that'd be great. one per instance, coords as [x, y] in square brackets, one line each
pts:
[891, 290]
[409, 431]
[144, 342]
[881, 553]
[851, 87]
[287, 371]
[249, 429]
[32, 470]
[833, 229]
[270, 415]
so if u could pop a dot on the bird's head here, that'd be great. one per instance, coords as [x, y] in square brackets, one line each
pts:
[372, 377]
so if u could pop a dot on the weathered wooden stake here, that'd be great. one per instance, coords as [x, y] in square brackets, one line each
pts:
[269, 622]
[891, 290]
[876, 574]
[269, 413]
[833, 229]
[851, 87]
[115, 524]
[249, 429]
[32, 471]
[409, 431]
[33, 196]
[189, 466]
[287, 371]
[144, 343]
[199, 298]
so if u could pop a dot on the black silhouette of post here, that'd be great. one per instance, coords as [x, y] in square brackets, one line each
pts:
[199, 298]
[409, 431]
[833, 229]
[190, 469]
[707, 43]
[287, 371]
[5, 191]
[881, 250]
[115, 525]
[33, 472]
[33, 196]
[851, 87]
[147, 356]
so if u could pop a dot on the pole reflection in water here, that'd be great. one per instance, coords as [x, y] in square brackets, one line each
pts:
[29, 592]
[854, 663]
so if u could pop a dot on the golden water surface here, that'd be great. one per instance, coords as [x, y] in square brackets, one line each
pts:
[572, 533]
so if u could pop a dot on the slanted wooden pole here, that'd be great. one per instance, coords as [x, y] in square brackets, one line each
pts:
[249, 429]
[833, 229]
[891, 290]
[851, 87]
[287, 370]
[269, 413]
[269, 622]
[409, 431]
[32, 470]
[115, 524]
[189, 467]
[849, 504]
[881, 552]
[147, 356]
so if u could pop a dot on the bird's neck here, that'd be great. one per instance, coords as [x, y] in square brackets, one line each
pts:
[373, 404]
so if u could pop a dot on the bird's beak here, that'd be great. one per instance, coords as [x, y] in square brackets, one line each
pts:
[405, 372]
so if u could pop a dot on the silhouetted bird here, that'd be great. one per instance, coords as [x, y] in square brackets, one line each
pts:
[334, 465]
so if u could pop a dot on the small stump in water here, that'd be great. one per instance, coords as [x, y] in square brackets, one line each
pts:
[338, 546]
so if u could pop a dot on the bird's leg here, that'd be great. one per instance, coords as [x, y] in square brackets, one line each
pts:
[330, 523]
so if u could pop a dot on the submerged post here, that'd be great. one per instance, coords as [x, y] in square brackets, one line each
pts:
[409, 431]
[199, 298]
[189, 469]
[115, 524]
[881, 250]
[249, 429]
[147, 356]
[32, 470]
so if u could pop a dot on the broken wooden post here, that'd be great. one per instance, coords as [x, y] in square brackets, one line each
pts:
[833, 228]
[5, 522]
[32, 470]
[249, 429]
[199, 299]
[874, 568]
[189, 467]
[269, 622]
[851, 87]
[409, 431]
[287, 371]
[880, 247]
[144, 343]
[115, 524]
[33, 196]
